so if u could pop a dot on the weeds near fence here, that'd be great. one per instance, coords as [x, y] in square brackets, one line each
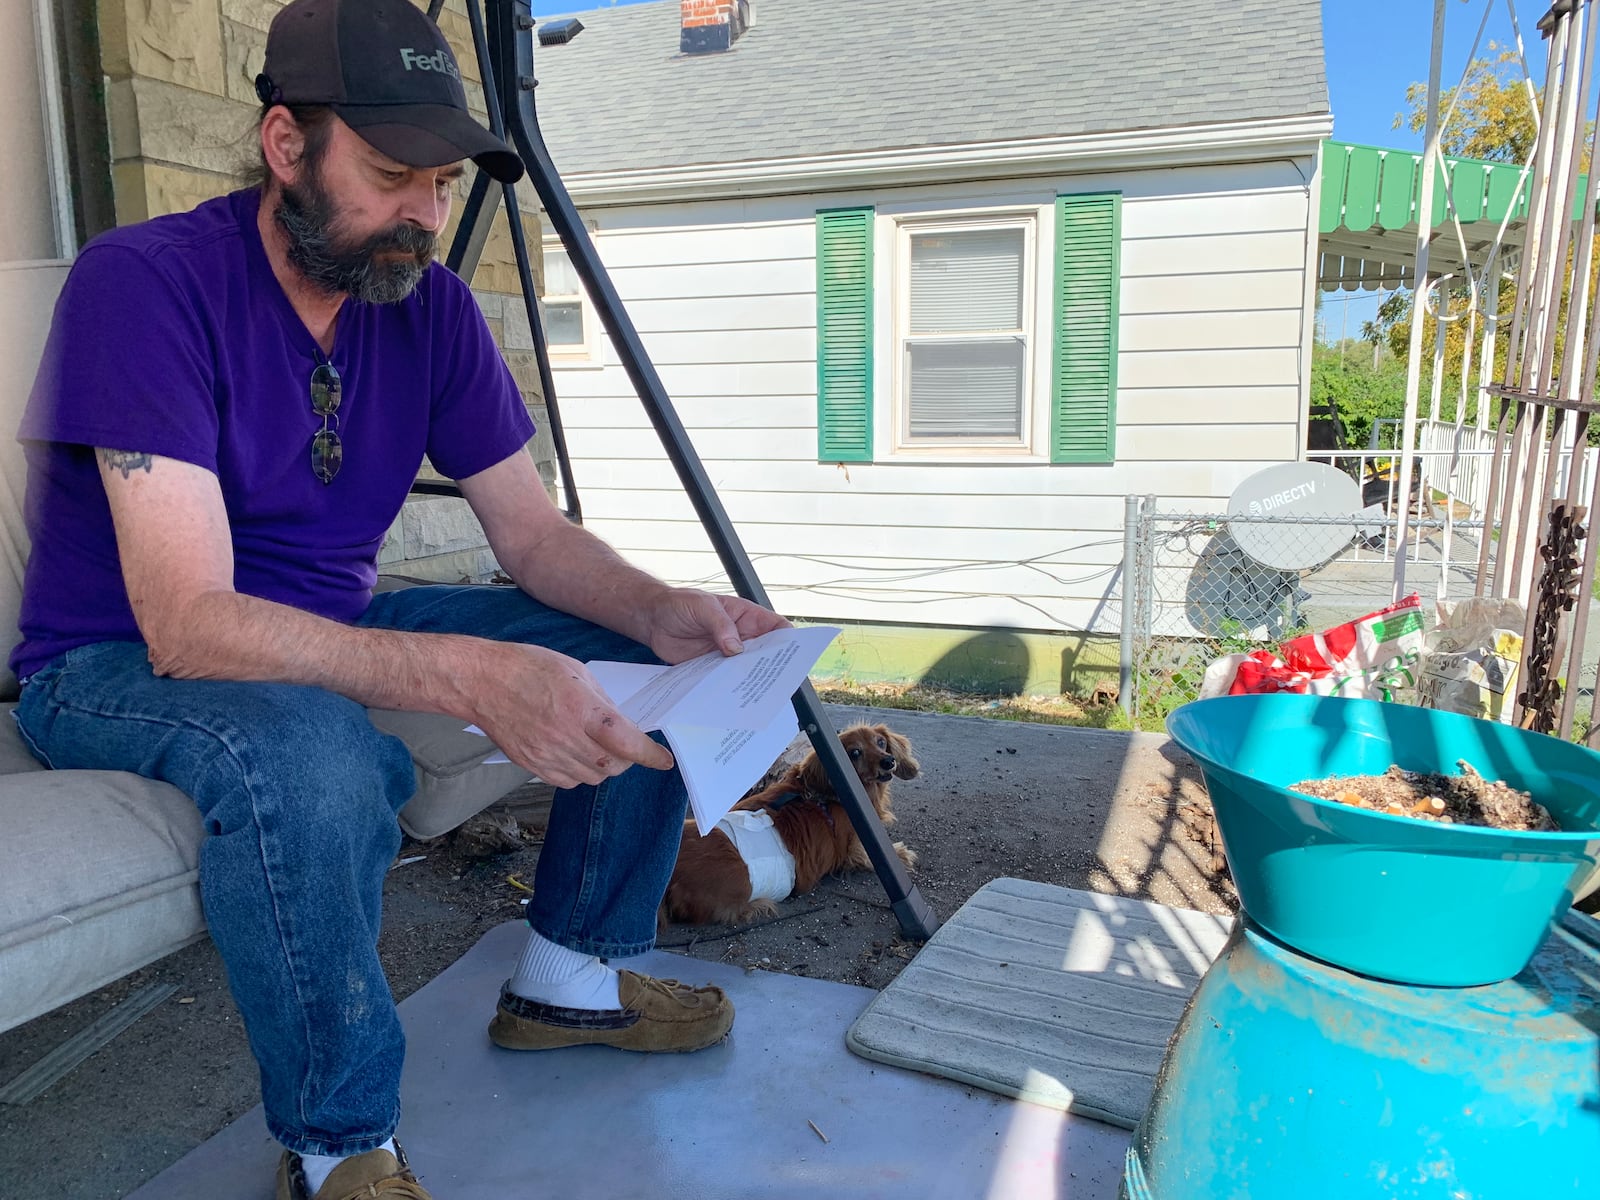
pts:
[922, 697]
[1170, 672]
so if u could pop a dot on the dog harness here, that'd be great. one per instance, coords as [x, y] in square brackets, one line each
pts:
[766, 858]
[790, 797]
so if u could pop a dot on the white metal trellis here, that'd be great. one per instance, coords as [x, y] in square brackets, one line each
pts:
[1517, 447]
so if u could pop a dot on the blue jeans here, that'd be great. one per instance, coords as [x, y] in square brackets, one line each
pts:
[298, 793]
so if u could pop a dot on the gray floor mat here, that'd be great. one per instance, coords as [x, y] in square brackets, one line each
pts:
[1060, 997]
[728, 1123]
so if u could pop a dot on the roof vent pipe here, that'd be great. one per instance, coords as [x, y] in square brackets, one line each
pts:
[559, 33]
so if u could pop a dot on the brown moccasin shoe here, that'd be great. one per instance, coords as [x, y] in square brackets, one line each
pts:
[656, 1015]
[375, 1175]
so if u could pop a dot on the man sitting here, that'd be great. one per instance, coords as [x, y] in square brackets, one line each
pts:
[233, 404]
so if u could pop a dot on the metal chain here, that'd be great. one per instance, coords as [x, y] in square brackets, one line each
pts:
[1557, 596]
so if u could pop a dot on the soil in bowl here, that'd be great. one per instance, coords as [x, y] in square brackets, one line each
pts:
[1464, 799]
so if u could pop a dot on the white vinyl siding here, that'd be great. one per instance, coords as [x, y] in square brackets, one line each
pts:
[724, 296]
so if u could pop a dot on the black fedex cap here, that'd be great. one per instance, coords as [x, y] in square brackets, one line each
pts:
[388, 73]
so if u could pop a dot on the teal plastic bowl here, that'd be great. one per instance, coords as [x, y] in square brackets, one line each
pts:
[1391, 897]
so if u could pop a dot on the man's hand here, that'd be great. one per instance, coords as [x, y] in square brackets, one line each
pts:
[550, 716]
[686, 623]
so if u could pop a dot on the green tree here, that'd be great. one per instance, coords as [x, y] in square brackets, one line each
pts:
[1390, 331]
[1492, 121]
[1360, 393]
[1393, 315]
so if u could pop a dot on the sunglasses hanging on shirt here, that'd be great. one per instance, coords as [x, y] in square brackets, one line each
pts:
[327, 450]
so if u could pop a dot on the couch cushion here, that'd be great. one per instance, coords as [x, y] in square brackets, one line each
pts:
[27, 299]
[15, 757]
[453, 783]
[97, 878]
[98, 869]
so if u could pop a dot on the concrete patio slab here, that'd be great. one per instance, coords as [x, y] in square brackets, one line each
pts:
[730, 1123]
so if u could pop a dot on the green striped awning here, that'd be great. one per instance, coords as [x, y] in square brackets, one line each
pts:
[1369, 215]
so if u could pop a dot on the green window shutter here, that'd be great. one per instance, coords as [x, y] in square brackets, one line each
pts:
[1083, 418]
[844, 335]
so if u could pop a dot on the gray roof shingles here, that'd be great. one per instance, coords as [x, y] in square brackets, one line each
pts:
[829, 76]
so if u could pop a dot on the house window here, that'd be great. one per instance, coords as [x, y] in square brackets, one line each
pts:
[965, 346]
[1002, 341]
[569, 321]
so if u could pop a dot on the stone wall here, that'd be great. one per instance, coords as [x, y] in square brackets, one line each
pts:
[180, 93]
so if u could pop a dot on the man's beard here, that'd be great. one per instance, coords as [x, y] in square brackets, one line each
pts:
[310, 221]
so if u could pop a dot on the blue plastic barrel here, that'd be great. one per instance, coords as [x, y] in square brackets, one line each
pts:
[1291, 1080]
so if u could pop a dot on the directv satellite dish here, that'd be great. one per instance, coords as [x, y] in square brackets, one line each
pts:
[1287, 491]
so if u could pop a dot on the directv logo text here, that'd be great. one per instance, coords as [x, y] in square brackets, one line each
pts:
[1279, 499]
[437, 61]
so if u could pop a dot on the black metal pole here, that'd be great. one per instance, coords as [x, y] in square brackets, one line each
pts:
[492, 73]
[512, 26]
[466, 247]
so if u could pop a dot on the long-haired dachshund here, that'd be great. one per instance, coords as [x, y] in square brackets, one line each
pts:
[783, 839]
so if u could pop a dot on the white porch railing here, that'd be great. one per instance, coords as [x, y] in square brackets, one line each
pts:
[1460, 470]
[1437, 535]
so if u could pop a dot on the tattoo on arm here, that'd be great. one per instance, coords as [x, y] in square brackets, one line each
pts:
[126, 461]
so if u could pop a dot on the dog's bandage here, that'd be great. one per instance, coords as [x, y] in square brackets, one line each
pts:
[768, 860]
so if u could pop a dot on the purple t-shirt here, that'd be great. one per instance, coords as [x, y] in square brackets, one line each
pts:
[173, 338]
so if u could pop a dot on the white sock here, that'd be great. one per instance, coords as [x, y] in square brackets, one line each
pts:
[555, 975]
[319, 1166]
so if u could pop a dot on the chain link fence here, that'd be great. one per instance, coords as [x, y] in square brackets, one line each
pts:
[1194, 593]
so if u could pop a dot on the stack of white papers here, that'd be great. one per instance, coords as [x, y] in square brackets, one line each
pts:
[726, 718]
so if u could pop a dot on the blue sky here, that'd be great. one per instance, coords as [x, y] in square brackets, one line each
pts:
[548, 8]
[1374, 48]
